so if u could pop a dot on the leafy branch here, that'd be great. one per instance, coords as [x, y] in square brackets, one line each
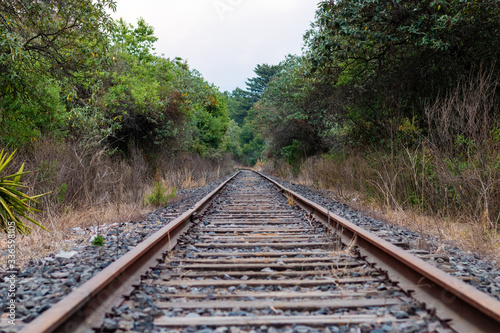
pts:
[14, 204]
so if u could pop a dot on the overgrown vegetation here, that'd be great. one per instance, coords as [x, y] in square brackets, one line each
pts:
[397, 101]
[14, 204]
[94, 111]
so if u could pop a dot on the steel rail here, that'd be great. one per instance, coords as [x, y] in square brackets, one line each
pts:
[85, 307]
[469, 309]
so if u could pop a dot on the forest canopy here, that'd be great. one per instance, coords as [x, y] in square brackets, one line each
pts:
[70, 72]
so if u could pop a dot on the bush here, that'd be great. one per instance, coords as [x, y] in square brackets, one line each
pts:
[159, 196]
[14, 204]
[98, 241]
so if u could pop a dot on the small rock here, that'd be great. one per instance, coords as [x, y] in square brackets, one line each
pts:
[365, 328]
[205, 330]
[125, 325]
[302, 329]
[127, 317]
[65, 255]
[60, 275]
[400, 314]
[109, 325]
[387, 328]
[171, 290]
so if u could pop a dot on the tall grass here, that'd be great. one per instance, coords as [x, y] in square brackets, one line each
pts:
[447, 180]
[90, 187]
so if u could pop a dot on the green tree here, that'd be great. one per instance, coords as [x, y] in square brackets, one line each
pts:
[257, 85]
[140, 100]
[207, 114]
[239, 103]
[389, 56]
[47, 49]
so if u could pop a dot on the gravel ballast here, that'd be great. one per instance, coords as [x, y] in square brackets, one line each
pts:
[472, 268]
[47, 280]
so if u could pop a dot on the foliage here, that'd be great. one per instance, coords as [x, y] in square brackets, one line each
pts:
[389, 56]
[159, 197]
[251, 143]
[239, 103]
[367, 69]
[232, 144]
[74, 72]
[98, 240]
[48, 50]
[14, 204]
[297, 107]
[257, 85]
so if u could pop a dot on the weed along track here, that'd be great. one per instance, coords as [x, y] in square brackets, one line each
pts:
[254, 261]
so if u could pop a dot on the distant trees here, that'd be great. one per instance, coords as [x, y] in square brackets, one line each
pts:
[368, 69]
[257, 85]
[251, 143]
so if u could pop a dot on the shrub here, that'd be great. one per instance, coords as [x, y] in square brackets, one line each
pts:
[14, 204]
[98, 240]
[159, 196]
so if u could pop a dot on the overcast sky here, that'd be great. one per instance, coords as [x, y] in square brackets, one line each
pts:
[224, 39]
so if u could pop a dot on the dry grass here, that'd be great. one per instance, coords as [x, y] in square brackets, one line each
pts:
[90, 188]
[352, 181]
[40, 243]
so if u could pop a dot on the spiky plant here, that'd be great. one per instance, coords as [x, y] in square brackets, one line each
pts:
[15, 206]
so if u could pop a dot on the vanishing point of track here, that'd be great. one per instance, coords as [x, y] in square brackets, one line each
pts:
[246, 257]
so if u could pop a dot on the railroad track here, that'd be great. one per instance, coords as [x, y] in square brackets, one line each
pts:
[254, 261]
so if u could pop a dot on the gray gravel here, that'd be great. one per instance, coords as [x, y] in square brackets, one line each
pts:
[138, 313]
[47, 280]
[472, 268]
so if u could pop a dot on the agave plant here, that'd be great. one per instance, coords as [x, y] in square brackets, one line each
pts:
[14, 204]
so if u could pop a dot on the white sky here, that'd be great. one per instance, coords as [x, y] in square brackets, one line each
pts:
[224, 39]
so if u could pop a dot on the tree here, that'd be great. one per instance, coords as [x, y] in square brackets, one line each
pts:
[239, 103]
[392, 55]
[48, 49]
[136, 41]
[257, 85]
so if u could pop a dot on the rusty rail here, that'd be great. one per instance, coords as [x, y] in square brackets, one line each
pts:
[85, 307]
[469, 309]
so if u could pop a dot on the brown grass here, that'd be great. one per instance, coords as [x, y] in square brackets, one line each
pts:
[351, 180]
[40, 243]
[87, 187]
